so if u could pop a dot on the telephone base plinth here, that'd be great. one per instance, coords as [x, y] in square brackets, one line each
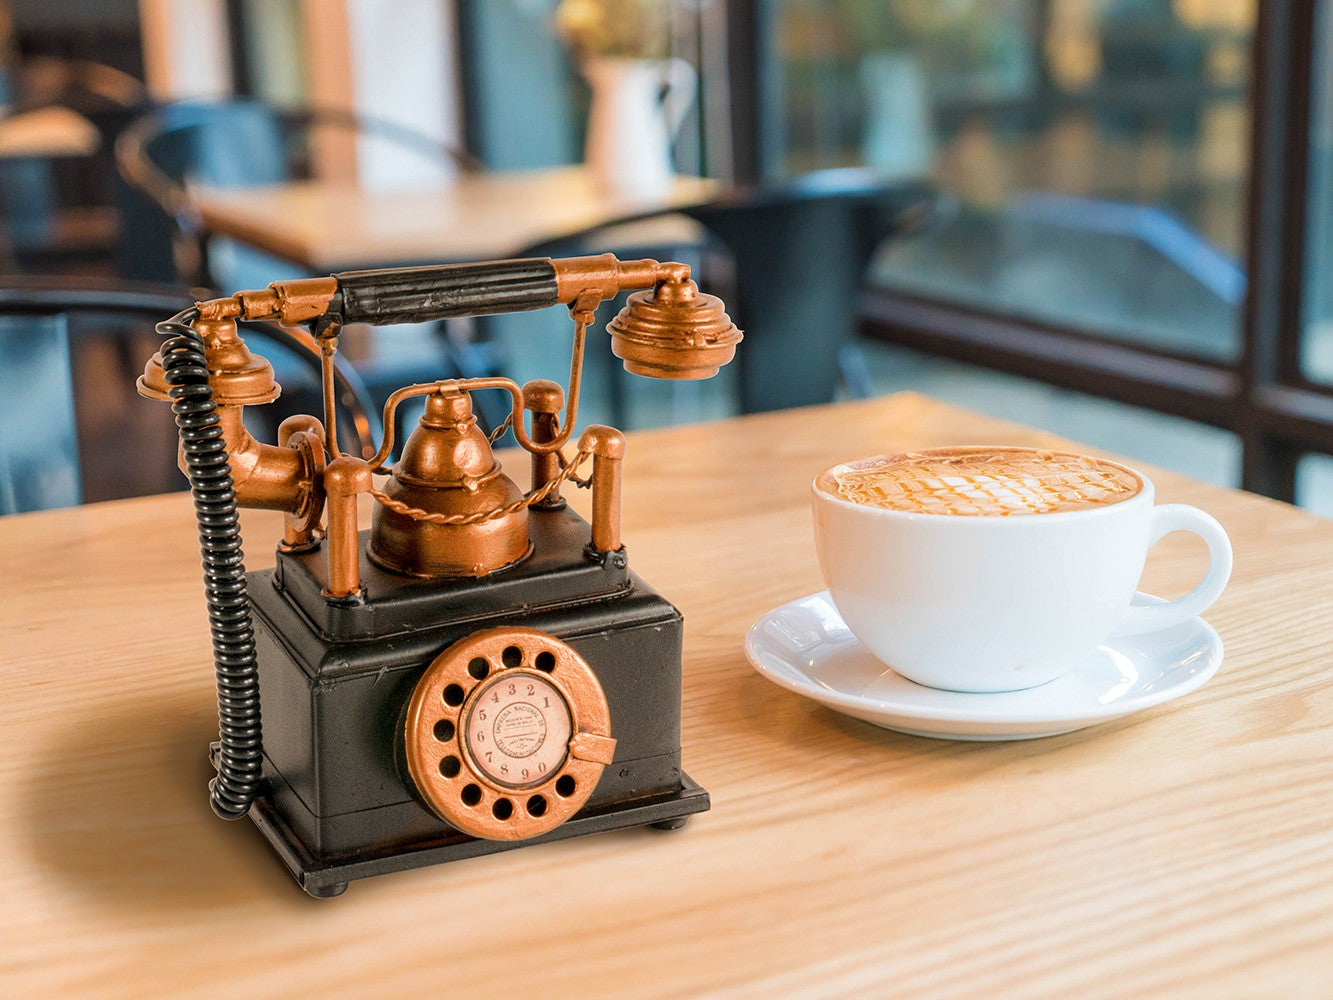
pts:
[324, 878]
[336, 680]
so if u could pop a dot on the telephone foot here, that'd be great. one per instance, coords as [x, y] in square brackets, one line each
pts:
[675, 823]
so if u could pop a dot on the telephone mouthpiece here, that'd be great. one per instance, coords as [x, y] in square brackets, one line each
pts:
[674, 331]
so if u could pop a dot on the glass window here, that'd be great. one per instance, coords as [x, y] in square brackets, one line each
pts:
[1192, 449]
[1317, 336]
[1314, 484]
[1095, 151]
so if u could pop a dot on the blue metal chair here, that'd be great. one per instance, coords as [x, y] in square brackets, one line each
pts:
[238, 143]
[72, 429]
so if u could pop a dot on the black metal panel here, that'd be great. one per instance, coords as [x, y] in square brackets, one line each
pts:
[341, 759]
[338, 793]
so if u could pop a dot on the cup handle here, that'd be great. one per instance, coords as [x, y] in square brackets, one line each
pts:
[1171, 517]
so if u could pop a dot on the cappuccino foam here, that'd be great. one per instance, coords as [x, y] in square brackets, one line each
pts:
[985, 482]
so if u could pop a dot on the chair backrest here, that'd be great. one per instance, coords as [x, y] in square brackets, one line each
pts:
[235, 143]
[224, 144]
[800, 250]
[86, 87]
[230, 144]
[73, 429]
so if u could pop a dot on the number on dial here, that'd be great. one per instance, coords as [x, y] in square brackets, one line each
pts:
[518, 729]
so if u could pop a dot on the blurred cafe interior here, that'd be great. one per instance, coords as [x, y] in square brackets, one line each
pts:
[1105, 218]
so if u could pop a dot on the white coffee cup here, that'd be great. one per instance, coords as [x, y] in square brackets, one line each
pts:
[985, 603]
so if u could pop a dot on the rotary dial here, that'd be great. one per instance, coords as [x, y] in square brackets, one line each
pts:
[507, 734]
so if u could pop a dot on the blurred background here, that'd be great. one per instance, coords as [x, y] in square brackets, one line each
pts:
[1108, 218]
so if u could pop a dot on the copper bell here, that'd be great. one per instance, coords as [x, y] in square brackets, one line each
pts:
[447, 468]
[673, 331]
[239, 378]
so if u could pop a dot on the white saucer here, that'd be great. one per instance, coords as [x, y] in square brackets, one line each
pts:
[805, 647]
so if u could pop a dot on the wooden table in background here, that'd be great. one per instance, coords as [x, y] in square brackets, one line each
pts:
[327, 226]
[47, 132]
[1187, 850]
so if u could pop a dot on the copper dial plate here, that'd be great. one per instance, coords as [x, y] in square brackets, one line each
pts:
[507, 734]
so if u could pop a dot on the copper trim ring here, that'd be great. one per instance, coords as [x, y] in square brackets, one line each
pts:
[440, 759]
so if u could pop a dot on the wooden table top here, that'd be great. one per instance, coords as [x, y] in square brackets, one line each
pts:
[47, 132]
[1183, 851]
[327, 226]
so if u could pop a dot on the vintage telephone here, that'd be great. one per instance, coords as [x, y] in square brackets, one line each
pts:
[480, 669]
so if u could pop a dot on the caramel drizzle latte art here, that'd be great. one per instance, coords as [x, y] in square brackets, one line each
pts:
[982, 482]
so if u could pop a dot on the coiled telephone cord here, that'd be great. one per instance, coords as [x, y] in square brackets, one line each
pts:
[232, 628]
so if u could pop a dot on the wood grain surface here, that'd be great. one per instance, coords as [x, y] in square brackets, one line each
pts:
[1184, 851]
[331, 225]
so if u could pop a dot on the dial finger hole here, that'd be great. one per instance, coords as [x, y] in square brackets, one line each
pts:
[512, 656]
[502, 809]
[537, 805]
[471, 794]
[565, 785]
[545, 661]
[444, 730]
[450, 766]
[453, 695]
[478, 668]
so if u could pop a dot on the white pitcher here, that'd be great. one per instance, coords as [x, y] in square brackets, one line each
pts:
[638, 106]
